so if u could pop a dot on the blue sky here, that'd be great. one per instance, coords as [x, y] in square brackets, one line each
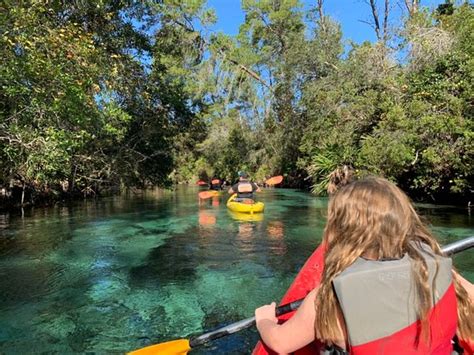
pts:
[348, 13]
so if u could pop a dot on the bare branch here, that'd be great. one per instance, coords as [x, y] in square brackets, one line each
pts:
[381, 28]
[416, 159]
[412, 6]
[248, 71]
[331, 65]
[367, 23]
[428, 44]
[319, 8]
[375, 15]
[385, 20]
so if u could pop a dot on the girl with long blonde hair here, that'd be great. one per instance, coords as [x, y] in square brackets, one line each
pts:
[373, 234]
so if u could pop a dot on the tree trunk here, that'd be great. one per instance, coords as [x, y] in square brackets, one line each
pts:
[71, 179]
[23, 195]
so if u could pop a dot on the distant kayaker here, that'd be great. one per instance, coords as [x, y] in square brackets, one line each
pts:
[215, 184]
[244, 188]
[383, 270]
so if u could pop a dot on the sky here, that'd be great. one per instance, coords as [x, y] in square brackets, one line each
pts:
[349, 13]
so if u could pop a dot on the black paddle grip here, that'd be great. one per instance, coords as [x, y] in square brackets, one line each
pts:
[288, 307]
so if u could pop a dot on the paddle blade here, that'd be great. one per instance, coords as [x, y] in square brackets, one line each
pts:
[274, 180]
[174, 347]
[207, 194]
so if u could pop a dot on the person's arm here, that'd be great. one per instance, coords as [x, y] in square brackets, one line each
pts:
[234, 188]
[292, 335]
[256, 188]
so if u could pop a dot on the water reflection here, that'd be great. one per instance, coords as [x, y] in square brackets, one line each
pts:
[215, 202]
[275, 229]
[245, 232]
[207, 218]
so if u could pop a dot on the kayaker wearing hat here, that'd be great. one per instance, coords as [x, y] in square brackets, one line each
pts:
[386, 287]
[244, 188]
[215, 184]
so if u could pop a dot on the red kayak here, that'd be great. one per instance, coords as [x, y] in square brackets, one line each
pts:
[307, 279]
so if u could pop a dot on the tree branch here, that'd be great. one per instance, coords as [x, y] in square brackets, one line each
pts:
[385, 20]
[375, 15]
[246, 70]
[319, 8]
[412, 6]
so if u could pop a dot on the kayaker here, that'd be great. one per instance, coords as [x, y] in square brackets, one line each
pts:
[383, 269]
[244, 188]
[215, 184]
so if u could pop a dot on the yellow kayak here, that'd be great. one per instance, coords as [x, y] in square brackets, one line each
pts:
[256, 207]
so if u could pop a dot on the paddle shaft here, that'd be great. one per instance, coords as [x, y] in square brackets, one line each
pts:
[458, 246]
[237, 326]
[449, 249]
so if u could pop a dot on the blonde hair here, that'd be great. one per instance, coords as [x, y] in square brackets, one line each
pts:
[374, 217]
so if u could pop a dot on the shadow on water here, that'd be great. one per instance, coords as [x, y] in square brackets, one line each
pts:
[119, 273]
[171, 262]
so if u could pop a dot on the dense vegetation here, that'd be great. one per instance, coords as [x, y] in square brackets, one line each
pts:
[107, 94]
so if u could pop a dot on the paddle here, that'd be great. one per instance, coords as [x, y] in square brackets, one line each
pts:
[275, 180]
[182, 346]
[207, 194]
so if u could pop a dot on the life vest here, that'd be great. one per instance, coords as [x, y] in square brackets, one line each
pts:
[378, 301]
[245, 187]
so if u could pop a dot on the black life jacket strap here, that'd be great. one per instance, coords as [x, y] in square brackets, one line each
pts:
[456, 346]
[334, 350]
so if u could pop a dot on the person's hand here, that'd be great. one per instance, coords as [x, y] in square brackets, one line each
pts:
[266, 312]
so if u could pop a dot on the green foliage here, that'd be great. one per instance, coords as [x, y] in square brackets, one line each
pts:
[321, 167]
[96, 95]
[413, 125]
[79, 107]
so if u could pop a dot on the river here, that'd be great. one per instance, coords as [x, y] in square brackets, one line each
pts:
[118, 273]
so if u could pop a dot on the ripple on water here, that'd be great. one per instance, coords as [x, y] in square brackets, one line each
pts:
[30, 281]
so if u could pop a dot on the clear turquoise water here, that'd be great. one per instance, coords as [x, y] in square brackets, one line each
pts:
[119, 273]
